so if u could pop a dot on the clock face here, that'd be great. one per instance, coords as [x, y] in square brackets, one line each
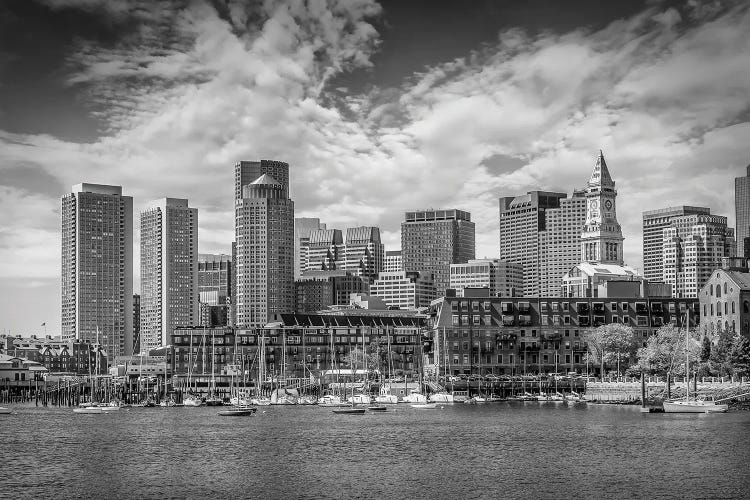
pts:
[608, 204]
[594, 204]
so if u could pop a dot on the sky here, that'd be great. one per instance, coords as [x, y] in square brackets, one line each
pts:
[379, 108]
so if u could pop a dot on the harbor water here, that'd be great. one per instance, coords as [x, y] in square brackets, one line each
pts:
[497, 450]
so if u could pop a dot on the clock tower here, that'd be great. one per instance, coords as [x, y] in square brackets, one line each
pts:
[601, 239]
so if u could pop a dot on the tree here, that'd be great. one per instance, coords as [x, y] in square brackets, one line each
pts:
[721, 351]
[354, 359]
[610, 343]
[705, 349]
[740, 355]
[665, 351]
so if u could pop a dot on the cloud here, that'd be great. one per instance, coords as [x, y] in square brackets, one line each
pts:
[190, 90]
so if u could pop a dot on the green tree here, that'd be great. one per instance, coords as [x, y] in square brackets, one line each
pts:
[740, 355]
[665, 351]
[610, 343]
[721, 351]
[705, 349]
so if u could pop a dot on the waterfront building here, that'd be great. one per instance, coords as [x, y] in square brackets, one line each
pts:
[502, 279]
[264, 233]
[654, 224]
[136, 323]
[169, 269]
[725, 301]
[404, 290]
[510, 335]
[17, 369]
[325, 251]
[742, 211]
[303, 226]
[364, 252]
[393, 261]
[97, 267]
[296, 346]
[432, 240]
[693, 247]
[317, 290]
[522, 221]
[58, 355]
[560, 242]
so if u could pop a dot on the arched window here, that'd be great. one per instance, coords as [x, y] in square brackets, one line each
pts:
[705, 310]
[732, 307]
[745, 306]
[725, 288]
[725, 308]
[733, 330]
[711, 289]
[712, 309]
[718, 290]
[718, 308]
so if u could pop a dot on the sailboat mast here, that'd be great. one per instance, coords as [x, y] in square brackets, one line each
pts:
[687, 354]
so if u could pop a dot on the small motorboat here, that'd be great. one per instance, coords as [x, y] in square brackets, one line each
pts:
[377, 408]
[238, 411]
[88, 409]
[425, 406]
[349, 411]
[4, 411]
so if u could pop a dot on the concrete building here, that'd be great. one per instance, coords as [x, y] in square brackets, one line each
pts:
[585, 279]
[502, 279]
[393, 261]
[522, 220]
[515, 336]
[654, 223]
[303, 226]
[364, 252]
[97, 267]
[432, 240]
[317, 290]
[742, 211]
[725, 302]
[264, 234]
[560, 242]
[215, 274]
[693, 247]
[58, 355]
[169, 269]
[404, 290]
[246, 172]
[326, 251]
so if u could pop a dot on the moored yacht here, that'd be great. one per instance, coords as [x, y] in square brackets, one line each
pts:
[694, 406]
[415, 397]
[441, 397]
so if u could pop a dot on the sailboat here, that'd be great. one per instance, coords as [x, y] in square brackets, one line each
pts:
[385, 396]
[213, 399]
[260, 400]
[697, 405]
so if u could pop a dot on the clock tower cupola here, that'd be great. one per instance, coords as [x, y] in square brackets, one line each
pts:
[601, 239]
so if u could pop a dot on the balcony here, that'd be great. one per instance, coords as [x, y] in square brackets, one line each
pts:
[598, 320]
[506, 308]
[524, 307]
[656, 307]
[640, 308]
[505, 336]
[584, 321]
[508, 320]
[582, 307]
[598, 307]
[524, 320]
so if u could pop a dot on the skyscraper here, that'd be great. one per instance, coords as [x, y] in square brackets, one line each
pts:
[560, 242]
[246, 172]
[325, 250]
[97, 267]
[215, 274]
[601, 240]
[364, 252]
[303, 226]
[522, 219]
[502, 279]
[654, 223]
[393, 261]
[169, 270]
[693, 248]
[264, 234]
[742, 210]
[432, 240]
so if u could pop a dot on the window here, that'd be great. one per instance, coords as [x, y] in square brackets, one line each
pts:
[732, 307]
[500, 359]
[718, 291]
[725, 288]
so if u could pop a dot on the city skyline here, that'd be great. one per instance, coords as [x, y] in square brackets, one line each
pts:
[492, 116]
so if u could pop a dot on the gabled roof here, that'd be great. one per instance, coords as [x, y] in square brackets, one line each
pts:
[742, 280]
[600, 176]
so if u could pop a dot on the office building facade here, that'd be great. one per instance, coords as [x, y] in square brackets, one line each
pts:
[97, 267]
[501, 279]
[303, 226]
[364, 253]
[432, 240]
[404, 290]
[393, 261]
[264, 235]
[654, 224]
[522, 220]
[169, 270]
[317, 290]
[742, 211]
[326, 251]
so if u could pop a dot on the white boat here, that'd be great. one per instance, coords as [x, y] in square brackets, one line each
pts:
[110, 407]
[331, 400]
[260, 401]
[192, 401]
[480, 399]
[4, 411]
[441, 397]
[360, 399]
[307, 400]
[425, 406]
[88, 409]
[386, 399]
[694, 406]
[415, 397]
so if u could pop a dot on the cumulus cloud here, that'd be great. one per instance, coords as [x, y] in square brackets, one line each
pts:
[194, 87]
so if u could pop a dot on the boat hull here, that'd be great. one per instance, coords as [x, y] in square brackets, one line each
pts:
[694, 407]
[237, 412]
[349, 411]
[90, 409]
[4, 411]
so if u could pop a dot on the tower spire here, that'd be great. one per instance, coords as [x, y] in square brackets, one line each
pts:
[600, 176]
